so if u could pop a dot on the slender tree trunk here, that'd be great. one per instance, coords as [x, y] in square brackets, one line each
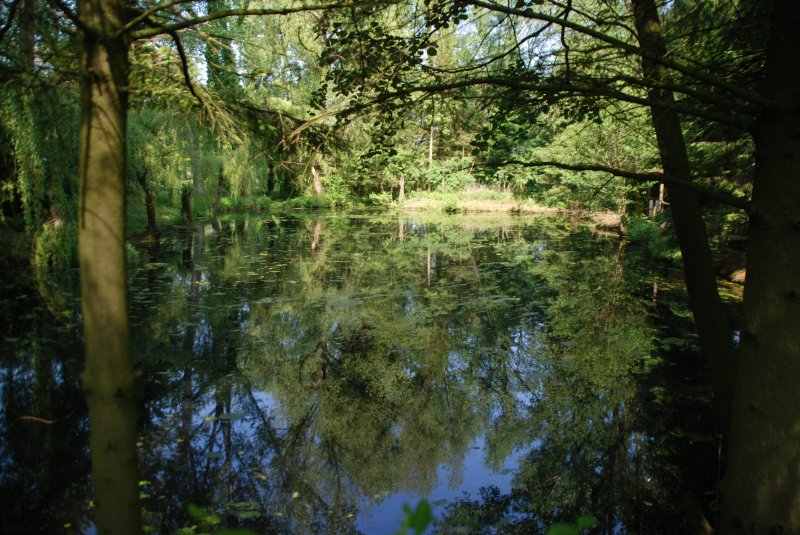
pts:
[149, 203]
[401, 194]
[186, 204]
[430, 146]
[194, 160]
[318, 189]
[108, 377]
[220, 190]
[711, 319]
[761, 488]
[270, 178]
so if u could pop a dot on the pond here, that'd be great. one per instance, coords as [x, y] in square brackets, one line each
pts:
[312, 373]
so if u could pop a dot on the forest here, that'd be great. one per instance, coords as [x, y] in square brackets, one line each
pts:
[123, 120]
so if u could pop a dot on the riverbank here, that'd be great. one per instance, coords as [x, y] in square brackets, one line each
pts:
[605, 220]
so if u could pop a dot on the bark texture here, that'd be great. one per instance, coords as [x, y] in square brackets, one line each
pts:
[108, 377]
[761, 488]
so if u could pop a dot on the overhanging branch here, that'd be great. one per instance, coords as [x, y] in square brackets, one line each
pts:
[717, 195]
[185, 66]
[744, 122]
[688, 70]
[147, 33]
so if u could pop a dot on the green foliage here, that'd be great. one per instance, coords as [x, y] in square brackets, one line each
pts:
[54, 248]
[450, 207]
[42, 127]
[337, 193]
[383, 199]
[450, 175]
[244, 204]
[416, 519]
[648, 235]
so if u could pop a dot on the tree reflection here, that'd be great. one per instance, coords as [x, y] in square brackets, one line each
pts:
[593, 450]
[296, 370]
[44, 484]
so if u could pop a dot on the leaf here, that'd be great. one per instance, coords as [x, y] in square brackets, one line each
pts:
[432, 51]
[423, 516]
[418, 519]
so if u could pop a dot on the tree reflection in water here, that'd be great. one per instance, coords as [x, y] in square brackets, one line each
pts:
[297, 370]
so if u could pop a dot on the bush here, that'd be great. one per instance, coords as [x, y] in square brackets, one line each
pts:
[380, 199]
[648, 235]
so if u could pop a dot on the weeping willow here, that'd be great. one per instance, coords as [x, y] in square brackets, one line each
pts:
[41, 127]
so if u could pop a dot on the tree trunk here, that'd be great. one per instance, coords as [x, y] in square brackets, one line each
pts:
[27, 35]
[220, 190]
[401, 194]
[149, 204]
[318, 189]
[270, 178]
[711, 319]
[761, 488]
[430, 147]
[194, 161]
[108, 377]
[186, 203]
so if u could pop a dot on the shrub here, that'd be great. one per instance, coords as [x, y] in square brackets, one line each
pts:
[648, 235]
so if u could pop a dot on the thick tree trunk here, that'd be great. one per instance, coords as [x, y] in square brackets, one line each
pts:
[711, 320]
[108, 377]
[761, 488]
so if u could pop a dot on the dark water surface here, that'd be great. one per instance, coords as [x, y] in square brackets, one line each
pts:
[310, 374]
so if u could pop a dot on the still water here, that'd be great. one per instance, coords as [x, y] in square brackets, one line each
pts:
[313, 373]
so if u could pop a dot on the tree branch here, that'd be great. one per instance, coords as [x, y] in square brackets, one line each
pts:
[144, 15]
[717, 195]
[185, 66]
[688, 70]
[12, 9]
[64, 8]
[743, 122]
[147, 33]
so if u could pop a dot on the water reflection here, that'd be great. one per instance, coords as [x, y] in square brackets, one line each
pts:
[304, 374]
